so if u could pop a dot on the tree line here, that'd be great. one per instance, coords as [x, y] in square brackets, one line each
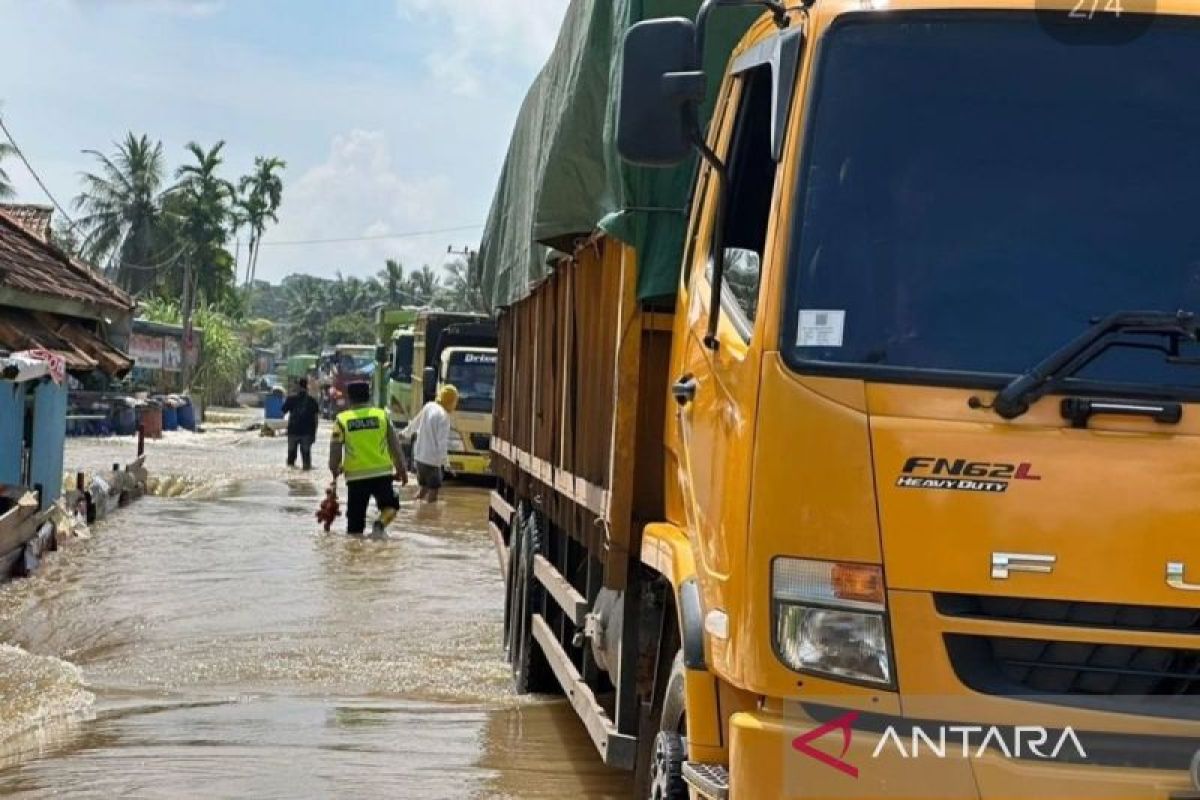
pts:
[310, 313]
[164, 234]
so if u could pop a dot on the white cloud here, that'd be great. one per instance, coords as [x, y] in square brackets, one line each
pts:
[358, 192]
[485, 35]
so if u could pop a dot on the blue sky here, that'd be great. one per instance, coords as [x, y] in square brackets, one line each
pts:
[393, 115]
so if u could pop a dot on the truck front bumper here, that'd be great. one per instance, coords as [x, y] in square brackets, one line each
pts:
[470, 464]
[766, 763]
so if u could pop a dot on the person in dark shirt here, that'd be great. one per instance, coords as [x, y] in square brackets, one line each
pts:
[302, 413]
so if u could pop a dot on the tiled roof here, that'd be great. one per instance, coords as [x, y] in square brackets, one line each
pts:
[33, 218]
[82, 348]
[33, 266]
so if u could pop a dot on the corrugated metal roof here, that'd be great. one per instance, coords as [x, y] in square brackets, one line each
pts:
[30, 265]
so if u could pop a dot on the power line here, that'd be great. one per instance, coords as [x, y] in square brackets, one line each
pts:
[405, 235]
[36, 177]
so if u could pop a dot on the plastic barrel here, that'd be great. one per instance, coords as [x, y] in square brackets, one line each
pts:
[170, 416]
[273, 406]
[125, 421]
[150, 418]
[187, 417]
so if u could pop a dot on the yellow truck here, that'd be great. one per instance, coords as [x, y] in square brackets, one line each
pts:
[858, 456]
[472, 371]
[458, 348]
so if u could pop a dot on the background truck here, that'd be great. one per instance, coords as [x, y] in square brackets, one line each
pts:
[400, 377]
[868, 422]
[389, 322]
[472, 371]
[456, 347]
[340, 366]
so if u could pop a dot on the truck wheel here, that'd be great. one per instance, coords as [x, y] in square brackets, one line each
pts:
[531, 671]
[510, 580]
[674, 708]
[669, 750]
[666, 768]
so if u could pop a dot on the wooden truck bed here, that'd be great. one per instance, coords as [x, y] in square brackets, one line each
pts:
[580, 401]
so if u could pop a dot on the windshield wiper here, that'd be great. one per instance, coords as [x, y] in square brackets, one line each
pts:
[1015, 398]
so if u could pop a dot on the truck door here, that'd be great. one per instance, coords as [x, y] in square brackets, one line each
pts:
[715, 428]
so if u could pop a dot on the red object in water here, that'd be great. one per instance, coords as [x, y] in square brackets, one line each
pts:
[330, 509]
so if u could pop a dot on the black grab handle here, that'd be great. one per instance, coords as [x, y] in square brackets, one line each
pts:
[1080, 410]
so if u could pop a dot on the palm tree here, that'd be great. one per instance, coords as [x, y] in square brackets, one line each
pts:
[423, 285]
[391, 278]
[308, 309]
[6, 187]
[122, 212]
[202, 205]
[462, 291]
[261, 194]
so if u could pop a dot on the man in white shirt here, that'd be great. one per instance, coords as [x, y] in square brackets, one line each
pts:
[432, 448]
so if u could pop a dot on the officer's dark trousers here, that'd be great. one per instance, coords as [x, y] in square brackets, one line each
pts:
[360, 493]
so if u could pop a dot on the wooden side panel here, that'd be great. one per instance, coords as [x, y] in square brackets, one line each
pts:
[580, 403]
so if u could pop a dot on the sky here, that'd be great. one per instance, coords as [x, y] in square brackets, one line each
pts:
[392, 115]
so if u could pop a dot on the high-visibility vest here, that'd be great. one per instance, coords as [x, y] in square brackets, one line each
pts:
[365, 443]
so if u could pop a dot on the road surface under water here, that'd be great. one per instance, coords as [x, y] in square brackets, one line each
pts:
[213, 642]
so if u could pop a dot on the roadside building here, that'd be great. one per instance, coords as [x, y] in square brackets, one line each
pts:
[57, 310]
[157, 350]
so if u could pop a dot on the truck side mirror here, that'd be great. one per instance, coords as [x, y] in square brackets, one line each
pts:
[429, 381]
[381, 354]
[662, 86]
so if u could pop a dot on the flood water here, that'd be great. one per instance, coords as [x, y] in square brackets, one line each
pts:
[214, 642]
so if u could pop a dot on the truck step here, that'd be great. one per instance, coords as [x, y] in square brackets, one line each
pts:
[709, 780]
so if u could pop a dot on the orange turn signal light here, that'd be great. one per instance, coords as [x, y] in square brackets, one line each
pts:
[859, 582]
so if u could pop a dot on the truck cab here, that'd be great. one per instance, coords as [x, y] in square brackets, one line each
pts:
[472, 371]
[449, 347]
[339, 367]
[933, 431]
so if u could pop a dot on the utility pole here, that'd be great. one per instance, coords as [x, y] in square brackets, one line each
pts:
[189, 335]
[473, 284]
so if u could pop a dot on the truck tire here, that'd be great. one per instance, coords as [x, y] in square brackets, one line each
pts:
[674, 708]
[510, 579]
[664, 780]
[666, 768]
[531, 671]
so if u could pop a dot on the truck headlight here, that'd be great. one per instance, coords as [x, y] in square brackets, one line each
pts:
[830, 619]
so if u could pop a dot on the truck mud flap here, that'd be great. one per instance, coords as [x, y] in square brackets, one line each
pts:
[616, 749]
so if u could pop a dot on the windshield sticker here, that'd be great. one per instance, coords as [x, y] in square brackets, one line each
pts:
[820, 328]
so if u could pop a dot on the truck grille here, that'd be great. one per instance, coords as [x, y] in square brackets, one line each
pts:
[481, 441]
[1014, 666]
[1111, 616]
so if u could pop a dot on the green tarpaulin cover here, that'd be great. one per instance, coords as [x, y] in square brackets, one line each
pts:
[563, 179]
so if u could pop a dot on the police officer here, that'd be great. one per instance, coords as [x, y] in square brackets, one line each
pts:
[366, 448]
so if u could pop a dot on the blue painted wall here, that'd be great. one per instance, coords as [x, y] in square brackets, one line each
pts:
[12, 423]
[49, 439]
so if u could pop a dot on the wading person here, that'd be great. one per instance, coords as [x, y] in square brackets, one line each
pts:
[365, 448]
[432, 448]
[303, 413]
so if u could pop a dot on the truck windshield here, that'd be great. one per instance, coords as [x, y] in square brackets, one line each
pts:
[474, 375]
[975, 193]
[356, 362]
